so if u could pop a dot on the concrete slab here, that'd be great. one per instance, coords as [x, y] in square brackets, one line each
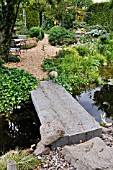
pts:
[91, 155]
[53, 103]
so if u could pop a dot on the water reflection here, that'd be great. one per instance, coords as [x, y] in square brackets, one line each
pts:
[104, 100]
[98, 101]
[21, 129]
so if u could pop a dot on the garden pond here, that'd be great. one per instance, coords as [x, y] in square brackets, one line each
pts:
[22, 127]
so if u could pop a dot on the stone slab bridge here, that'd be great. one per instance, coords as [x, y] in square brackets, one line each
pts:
[63, 120]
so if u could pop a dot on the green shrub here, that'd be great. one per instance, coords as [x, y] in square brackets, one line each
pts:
[36, 32]
[61, 36]
[15, 87]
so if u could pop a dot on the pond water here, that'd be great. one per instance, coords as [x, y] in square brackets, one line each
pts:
[20, 130]
[99, 100]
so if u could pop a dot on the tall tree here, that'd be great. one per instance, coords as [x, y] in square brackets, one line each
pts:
[8, 15]
[57, 9]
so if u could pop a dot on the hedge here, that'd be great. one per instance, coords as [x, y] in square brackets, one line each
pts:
[99, 13]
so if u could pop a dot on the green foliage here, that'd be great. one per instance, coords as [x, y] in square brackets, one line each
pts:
[15, 87]
[69, 18]
[77, 24]
[99, 13]
[61, 36]
[74, 71]
[36, 32]
[82, 50]
[13, 58]
[104, 39]
[1, 61]
[32, 16]
[24, 161]
[47, 23]
[62, 53]
[105, 47]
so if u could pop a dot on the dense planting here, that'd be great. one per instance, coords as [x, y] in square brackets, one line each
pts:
[15, 87]
[75, 69]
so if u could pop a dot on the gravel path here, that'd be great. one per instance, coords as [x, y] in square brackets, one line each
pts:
[32, 59]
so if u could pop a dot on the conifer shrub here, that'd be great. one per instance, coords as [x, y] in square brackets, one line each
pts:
[36, 32]
[61, 36]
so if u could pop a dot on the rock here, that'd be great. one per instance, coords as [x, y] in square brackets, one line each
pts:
[108, 124]
[53, 73]
[106, 130]
[50, 132]
[41, 149]
[91, 155]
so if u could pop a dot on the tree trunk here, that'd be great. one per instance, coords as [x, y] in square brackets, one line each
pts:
[9, 15]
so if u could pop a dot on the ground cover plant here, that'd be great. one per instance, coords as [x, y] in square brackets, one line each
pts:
[15, 87]
[24, 161]
[75, 71]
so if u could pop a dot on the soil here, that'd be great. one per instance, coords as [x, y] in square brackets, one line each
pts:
[31, 60]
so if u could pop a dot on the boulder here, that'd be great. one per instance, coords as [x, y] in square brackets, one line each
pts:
[91, 155]
[50, 132]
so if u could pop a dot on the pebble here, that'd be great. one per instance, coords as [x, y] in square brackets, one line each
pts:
[55, 161]
[107, 135]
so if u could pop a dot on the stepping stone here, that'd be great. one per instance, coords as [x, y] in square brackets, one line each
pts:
[54, 104]
[91, 155]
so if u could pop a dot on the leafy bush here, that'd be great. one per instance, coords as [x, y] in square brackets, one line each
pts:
[15, 87]
[36, 32]
[61, 36]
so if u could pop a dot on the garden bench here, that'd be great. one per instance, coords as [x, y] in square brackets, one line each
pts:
[15, 48]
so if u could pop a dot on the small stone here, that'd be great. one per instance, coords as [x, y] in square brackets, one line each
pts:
[106, 130]
[108, 124]
[41, 149]
[39, 157]
[53, 73]
[46, 166]
[72, 168]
